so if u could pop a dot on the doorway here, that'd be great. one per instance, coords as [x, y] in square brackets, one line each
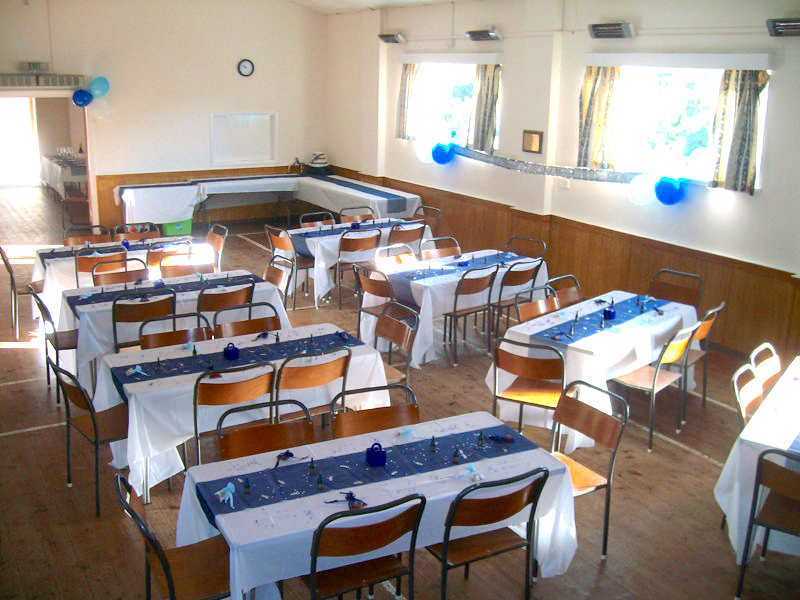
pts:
[19, 144]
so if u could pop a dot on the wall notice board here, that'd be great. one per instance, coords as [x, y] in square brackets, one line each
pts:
[244, 139]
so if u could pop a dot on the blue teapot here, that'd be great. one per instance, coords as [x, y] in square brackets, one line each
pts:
[230, 352]
[376, 455]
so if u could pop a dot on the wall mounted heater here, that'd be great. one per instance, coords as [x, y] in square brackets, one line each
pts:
[392, 38]
[484, 35]
[610, 30]
[783, 27]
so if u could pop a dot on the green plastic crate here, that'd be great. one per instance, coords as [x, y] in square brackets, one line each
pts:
[177, 228]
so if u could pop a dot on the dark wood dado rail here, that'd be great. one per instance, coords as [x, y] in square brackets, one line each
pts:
[763, 304]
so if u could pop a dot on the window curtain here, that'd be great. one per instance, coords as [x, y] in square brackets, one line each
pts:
[736, 129]
[484, 118]
[403, 99]
[595, 148]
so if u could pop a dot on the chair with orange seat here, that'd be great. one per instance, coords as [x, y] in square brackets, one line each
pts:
[279, 273]
[212, 298]
[313, 369]
[183, 270]
[678, 286]
[702, 337]
[538, 375]
[767, 364]
[317, 219]
[200, 331]
[352, 246]
[567, 289]
[216, 236]
[135, 231]
[526, 246]
[439, 247]
[375, 283]
[281, 242]
[398, 325]
[474, 283]
[356, 214]
[158, 251]
[125, 270]
[17, 291]
[355, 422]
[136, 307]
[86, 260]
[175, 570]
[407, 232]
[430, 215]
[748, 389]
[61, 341]
[605, 429]
[532, 309]
[269, 322]
[520, 276]
[81, 234]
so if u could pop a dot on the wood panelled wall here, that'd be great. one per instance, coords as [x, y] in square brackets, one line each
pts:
[763, 304]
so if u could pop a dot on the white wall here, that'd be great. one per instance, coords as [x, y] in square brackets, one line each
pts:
[543, 49]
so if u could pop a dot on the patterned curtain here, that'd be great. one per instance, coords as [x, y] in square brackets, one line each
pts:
[403, 99]
[595, 148]
[736, 129]
[484, 119]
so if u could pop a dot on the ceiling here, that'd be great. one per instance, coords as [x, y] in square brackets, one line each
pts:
[347, 6]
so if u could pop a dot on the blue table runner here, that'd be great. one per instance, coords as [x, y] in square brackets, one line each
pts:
[292, 481]
[266, 352]
[589, 323]
[301, 245]
[132, 247]
[394, 204]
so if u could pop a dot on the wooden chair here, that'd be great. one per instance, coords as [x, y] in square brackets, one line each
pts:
[216, 236]
[374, 283]
[157, 252]
[605, 429]
[702, 336]
[137, 307]
[567, 289]
[398, 325]
[99, 428]
[279, 273]
[200, 332]
[226, 387]
[268, 322]
[122, 273]
[526, 246]
[300, 372]
[654, 377]
[334, 538]
[175, 570]
[407, 232]
[520, 275]
[439, 247]
[356, 214]
[478, 280]
[468, 511]
[347, 423]
[79, 235]
[353, 242]
[780, 483]
[767, 365]
[59, 340]
[262, 436]
[430, 215]
[136, 231]
[748, 389]
[212, 298]
[539, 379]
[85, 262]
[183, 270]
[317, 219]
[677, 286]
[532, 309]
[280, 241]
[17, 291]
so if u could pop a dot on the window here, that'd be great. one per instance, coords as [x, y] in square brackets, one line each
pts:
[450, 102]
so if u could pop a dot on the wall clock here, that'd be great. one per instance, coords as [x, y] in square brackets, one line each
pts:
[245, 67]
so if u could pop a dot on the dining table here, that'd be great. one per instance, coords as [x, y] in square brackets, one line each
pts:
[775, 424]
[431, 286]
[89, 310]
[274, 509]
[158, 387]
[595, 349]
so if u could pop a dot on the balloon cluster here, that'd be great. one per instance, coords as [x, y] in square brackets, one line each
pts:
[97, 89]
[645, 189]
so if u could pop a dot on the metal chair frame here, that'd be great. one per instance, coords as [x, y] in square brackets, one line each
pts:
[216, 236]
[354, 241]
[149, 295]
[249, 307]
[467, 287]
[439, 249]
[364, 213]
[123, 273]
[280, 240]
[535, 241]
[430, 215]
[310, 219]
[659, 288]
[200, 320]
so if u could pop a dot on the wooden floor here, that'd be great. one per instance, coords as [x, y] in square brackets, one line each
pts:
[665, 540]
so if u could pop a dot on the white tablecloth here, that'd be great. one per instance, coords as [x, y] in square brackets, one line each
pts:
[160, 412]
[776, 424]
[434, 296]
[272, 543]
[55, 173]
[96, 329]
[157, 203]
[611, 352]
[336, 197]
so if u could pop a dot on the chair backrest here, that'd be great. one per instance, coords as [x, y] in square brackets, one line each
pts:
[767, 364]
[397, 253]
[158, 252]
[137, 307]
[531, 309]
[548, 365]
[526, 246]
[79, 235]
[678, 286]
[518, 274]
[85, 262]
[10, 270]
[224, 387]
[125, 270]
[216, 236]
[252, 439]
[780, 477]
[373, 282]
[169, 270]
[673, 351]
[407, 232]
[515, 494]
[475, 281]
[279, 273]
[315, 219]
[567, 290]
[748, 389]
[199, 332]
[74, 393]
[144, 227]
[346, 423]
[439, 247]
[605, 429]
[269, 322]
[212, 299]
[279, 240]
[154, 547]
[359, 241]
[430, 215]
[353, 214]
[366, 535]
[47, 318]
[398, 323]
[703, 332]
[313, 369]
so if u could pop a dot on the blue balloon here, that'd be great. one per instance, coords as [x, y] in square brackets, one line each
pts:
[669, 191]
[99, 87]
[443, 154]
[81, 98]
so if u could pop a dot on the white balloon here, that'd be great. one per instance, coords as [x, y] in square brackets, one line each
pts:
[642, 189]
[424, 149]
[101, 108]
